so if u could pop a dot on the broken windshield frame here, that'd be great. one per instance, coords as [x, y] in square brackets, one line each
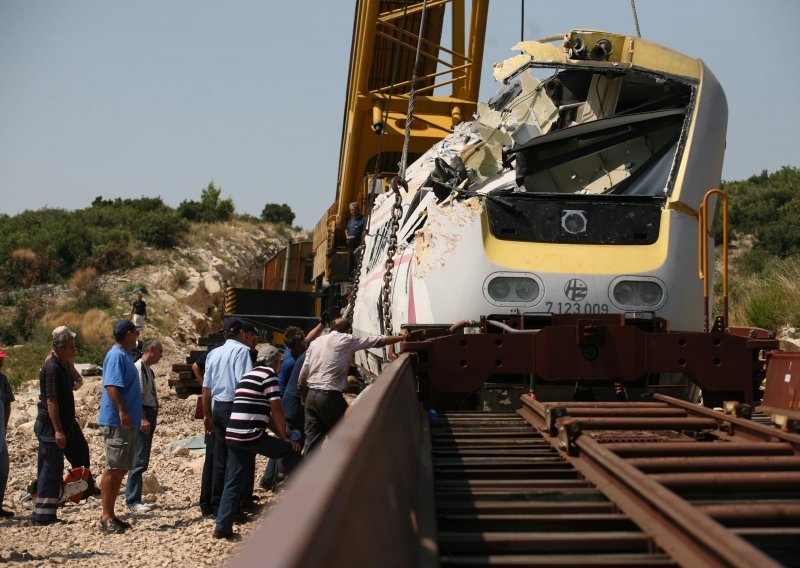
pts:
[615, 132]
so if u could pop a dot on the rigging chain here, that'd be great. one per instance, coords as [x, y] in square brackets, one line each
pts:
[397, 182]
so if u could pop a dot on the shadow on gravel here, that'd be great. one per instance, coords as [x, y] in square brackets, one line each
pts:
[28, 557]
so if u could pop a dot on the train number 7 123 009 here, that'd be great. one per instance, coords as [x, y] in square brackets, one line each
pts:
[575, 308]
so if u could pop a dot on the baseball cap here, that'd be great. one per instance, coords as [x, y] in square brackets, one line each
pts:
[3, 354]
[61, 329]
[268, 354]
[234, 324]
[122, 327]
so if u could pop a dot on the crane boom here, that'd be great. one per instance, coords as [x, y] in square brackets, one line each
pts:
[385, 37]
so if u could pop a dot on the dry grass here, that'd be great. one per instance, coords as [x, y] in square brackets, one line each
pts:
[25, 255]
[82, 281]
[93, 326]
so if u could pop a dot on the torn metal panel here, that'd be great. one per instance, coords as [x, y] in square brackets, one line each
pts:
[441, 235]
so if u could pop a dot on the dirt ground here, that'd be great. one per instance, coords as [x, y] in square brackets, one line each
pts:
[173, 533]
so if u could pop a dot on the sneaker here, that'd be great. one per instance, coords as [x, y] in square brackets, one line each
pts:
[110, 527]
[139, 508]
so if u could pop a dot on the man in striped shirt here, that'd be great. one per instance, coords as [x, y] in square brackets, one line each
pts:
[256, 406]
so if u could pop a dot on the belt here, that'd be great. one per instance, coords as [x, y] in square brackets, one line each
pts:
[325, 391]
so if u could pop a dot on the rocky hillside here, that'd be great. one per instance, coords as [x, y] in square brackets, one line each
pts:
[184, 295]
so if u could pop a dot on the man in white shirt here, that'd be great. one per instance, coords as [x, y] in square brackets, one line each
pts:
[324, 373]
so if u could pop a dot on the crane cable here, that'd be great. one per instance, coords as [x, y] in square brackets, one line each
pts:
[635, 18]
[399, 181]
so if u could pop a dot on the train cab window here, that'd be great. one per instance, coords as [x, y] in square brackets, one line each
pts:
[615, 132]
[617, 155]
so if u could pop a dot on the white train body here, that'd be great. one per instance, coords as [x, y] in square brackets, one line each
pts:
[591, 208]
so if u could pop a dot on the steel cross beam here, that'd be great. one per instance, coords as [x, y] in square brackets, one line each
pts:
[687, 533]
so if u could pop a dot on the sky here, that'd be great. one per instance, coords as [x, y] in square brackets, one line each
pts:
[158, 98]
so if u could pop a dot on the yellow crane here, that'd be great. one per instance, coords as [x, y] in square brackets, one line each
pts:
[386, 34]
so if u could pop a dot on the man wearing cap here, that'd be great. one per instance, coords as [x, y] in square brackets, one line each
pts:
[257, 405]
[225, 365]
[56, 426]
[6, 398]
[151, 355]
[120, 418]
[324, 372]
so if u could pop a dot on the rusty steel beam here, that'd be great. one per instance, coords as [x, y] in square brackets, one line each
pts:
[760, 481]
[692, 448]
[715, 463]
[366, 482]
[687, 535]
[737, 426]
[761, 514]
[689, 424]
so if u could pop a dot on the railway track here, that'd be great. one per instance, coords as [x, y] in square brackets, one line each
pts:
[661, 483]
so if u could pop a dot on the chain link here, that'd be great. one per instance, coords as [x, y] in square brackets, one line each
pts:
[413, 92]
[391, 249]
[397, 182]
[351, 304]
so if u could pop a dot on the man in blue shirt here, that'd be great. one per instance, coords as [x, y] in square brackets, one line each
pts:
[225, 365]
[120, 418]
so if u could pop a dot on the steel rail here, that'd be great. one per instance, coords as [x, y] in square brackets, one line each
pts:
[690, 537]
[340, 509]
[685, 533]
[739, 425]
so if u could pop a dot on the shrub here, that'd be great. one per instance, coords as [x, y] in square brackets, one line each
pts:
[274, 213]
[210, 209]
[179, 277]
[162, 229]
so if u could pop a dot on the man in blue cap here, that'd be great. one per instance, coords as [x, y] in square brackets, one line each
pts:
[120, 419]
[225, 365]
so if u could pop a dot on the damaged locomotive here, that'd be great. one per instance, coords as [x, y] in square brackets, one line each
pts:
[575, 189]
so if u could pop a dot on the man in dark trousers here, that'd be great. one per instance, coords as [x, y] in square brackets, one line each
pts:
[56, 427]
[151, 355]
[120, 419]
[257, 405]
[6, 398]
[324, 372]
[225, 365]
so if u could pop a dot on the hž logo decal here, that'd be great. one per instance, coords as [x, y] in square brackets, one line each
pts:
[576, 290]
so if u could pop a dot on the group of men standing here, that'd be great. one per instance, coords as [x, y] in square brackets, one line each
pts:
[127, 418]
[241, 400]
[297, 394]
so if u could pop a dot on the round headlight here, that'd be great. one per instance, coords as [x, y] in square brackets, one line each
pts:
[650, 293]
[526, 289]
[623, 293]
[499, 289]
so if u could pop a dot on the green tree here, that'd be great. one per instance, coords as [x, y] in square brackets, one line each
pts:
[274, 213]
[210, 208]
